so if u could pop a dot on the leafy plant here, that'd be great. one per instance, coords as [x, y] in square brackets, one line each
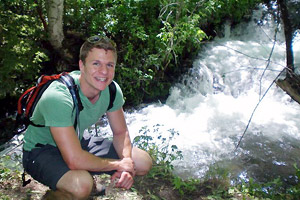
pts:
[217, 182]
[275, 189]
[163, 152]
[159, 148]
[10, 175]
[185, 187]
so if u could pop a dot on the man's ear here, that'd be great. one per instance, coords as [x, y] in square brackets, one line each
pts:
[81, 65]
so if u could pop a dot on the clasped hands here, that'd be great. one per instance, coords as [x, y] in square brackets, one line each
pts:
[125, 174]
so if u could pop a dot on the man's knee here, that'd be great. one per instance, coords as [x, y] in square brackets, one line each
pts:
[144, 169]
[78, 183]
[142, 160]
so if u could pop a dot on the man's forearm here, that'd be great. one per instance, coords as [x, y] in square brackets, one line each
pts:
[87, 161]
[122, 144]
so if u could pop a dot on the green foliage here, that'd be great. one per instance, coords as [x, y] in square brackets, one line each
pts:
[159, 148]
[164, 153]
[9, 169]
[10, 176]
[275, 189]
[11, 162]
[4, 173]
[232, 10]
[154, 38]
[20, 53]
[185, 187]
[217, 181]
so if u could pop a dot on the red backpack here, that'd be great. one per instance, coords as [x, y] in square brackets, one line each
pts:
[29, 99]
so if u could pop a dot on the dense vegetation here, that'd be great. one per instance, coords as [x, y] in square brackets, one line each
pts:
[156, 40]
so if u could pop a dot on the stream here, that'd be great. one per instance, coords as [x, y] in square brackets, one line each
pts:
[212, 104]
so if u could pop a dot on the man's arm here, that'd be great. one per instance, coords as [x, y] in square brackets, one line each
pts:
[122, 144]
[121, 139]
[76, 158]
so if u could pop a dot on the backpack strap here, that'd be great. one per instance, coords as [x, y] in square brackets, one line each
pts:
[27, 102]
[112, 94]
[73, 88]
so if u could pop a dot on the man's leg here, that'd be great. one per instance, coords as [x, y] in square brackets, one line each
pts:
[46, 165]
[77, 183]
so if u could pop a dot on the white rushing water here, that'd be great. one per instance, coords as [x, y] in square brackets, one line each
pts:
[211, 106]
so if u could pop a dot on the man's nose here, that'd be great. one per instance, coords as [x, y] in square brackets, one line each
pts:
[103, 69]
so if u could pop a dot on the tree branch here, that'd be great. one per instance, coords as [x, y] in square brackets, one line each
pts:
[40, 13]
[269, 59]
[260, 100]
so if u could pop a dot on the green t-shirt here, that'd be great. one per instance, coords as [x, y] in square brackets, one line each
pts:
[55, 109]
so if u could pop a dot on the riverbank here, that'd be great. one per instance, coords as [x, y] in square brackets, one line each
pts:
[160, 183]
[144, 188]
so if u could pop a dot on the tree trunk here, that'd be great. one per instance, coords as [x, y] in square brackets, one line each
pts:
[63, 58]
[291, 83]
[55, 11]
[288, 32]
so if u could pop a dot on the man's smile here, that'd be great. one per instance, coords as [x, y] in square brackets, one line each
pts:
[100, 79]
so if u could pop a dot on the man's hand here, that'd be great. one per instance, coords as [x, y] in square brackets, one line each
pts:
[125, 179]
[126, 165]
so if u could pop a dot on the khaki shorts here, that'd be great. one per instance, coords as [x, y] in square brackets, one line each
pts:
[46, 165]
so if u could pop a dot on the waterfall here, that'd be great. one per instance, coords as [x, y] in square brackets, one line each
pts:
[211, 105]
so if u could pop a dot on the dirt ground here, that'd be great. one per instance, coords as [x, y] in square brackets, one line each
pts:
[144, 188]
[12, 189]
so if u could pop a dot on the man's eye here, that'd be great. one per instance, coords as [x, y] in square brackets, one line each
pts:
[110, 65]
[96, 64]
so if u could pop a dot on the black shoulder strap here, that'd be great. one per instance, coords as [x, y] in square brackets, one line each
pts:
[112, 94]
[70, 83]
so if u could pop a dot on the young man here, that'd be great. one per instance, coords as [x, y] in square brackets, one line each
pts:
[56, 157]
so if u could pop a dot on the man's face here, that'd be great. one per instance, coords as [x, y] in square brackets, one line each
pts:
[98, 70]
